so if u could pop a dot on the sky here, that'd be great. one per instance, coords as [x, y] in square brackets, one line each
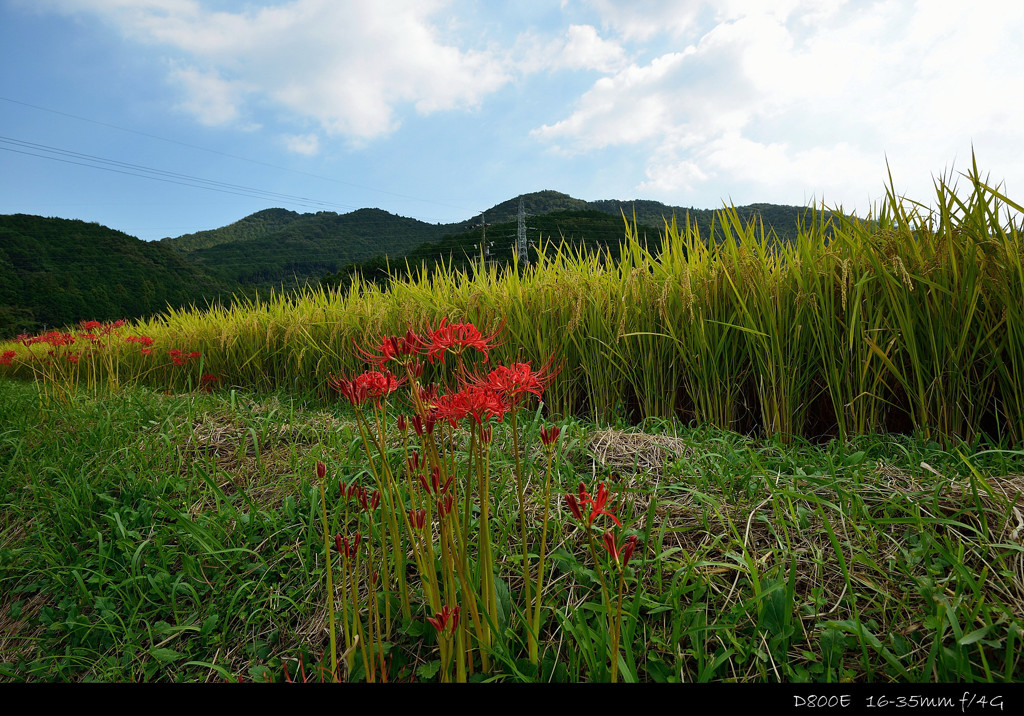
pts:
[165, 117]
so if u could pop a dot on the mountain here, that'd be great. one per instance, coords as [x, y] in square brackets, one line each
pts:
[253, 227]
[54, 272]
[592, 231]
[275, 247]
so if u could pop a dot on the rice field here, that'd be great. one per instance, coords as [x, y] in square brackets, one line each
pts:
[745, 461]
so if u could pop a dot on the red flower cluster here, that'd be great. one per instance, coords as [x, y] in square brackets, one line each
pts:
[180, 357]
[143, 341]
[397, 348]
[366, 499]
[343, 546]
[8, 358]
[476, 402]
[549, 435]
[105, 328]
[206, 382]
[418, 518]
[578, 505]
[623, 552]
[434, 486]
[447, 618]
[52, 338]
[517, 380]
[371, 384]
[456, 337]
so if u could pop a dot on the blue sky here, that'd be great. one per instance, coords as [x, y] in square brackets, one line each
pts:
[437, 110]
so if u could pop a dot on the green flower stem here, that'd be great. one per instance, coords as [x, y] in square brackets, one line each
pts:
[534, 629]
[329, 568]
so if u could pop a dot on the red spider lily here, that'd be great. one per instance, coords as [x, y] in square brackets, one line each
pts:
[369, 501]
[206, 382]
[418, 518]
[428, 393]
[485, 435]
[8, 358]
[623, 553]
[403, 425]
[144, 341]
[578, 505]
[575, 506]
[73, 358]
[456, 337]
[415, 463]
[371, 384]
[420, 425]
[396, 348]
[179, 357]
[549, 435]
[416, 368]
[515, 382]
[444, 505]
[434, 487]
[321, 470]
[146, 351]
[52, 338]
[447, 617]
[598, 506]
[447, 407]
[476, 402]
[90, 325]
[346, 549]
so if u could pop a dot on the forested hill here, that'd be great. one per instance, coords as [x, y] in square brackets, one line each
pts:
[782, 219]
[251, 228]
[54, 272]
[276, 247]
[254, 252]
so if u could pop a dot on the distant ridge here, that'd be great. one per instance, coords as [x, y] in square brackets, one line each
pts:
[58, 271]
[54, 272]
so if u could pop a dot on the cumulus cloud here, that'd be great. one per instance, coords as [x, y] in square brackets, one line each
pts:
[307, 144]
[212, 99]
[800, 96]
[348, 64]
[579, 47]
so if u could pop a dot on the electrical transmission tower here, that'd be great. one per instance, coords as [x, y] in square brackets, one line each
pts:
[521, 255]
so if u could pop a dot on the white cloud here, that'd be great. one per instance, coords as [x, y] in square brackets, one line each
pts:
[805, 98]
[209, 97]
[350, 65]
[307, 144]
[644, 19]
[579, 47]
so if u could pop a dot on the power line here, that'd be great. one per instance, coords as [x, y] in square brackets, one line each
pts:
[137, 170]
[232, 156]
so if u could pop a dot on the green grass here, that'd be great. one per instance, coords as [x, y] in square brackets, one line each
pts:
[157, 537]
